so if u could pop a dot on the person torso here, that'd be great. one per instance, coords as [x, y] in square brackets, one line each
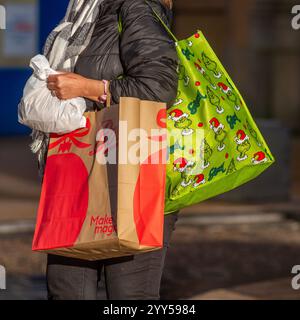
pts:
[101, 58]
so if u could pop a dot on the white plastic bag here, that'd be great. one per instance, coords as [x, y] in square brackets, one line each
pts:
[41, 111]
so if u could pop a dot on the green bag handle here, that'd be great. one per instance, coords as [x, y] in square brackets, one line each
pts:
[163, 23]
[120, 28]
[158, 17]
[120, 24]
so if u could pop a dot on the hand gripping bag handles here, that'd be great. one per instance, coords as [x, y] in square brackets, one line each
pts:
[91, 209]
[214, 144]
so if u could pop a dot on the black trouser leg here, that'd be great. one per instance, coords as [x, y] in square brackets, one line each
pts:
[135, 277]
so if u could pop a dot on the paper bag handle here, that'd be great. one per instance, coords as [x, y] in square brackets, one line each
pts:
[108, 96]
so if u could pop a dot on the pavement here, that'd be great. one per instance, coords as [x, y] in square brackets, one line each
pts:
[277, 289]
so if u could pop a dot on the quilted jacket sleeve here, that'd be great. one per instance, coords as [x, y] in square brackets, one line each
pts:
[147, 53]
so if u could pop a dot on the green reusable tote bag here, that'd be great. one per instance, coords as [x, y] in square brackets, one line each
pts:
[214, 144]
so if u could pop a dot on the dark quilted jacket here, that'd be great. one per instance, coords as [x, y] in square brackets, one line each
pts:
[144, 52]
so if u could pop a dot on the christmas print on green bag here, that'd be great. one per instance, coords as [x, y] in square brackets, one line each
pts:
[232, 151]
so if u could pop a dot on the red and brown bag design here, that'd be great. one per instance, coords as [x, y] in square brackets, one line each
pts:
[91, 209]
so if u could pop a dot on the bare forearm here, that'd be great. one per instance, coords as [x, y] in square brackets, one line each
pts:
[68, 85]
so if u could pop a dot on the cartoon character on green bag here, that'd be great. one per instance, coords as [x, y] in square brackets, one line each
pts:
[211, 66]
[231, 168]
[214, 100]
[181, 121]
[188, 53]
[178, 100]
[230, 95]
[220, 133]
[184, 167]
[232, 120]
[195, 104]
[243, 144]
[181, 71]
[205, 75]
[215, 171]
[205, 154]
[189, 43]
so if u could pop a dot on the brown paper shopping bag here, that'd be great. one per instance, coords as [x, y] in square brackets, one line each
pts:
[91, 209]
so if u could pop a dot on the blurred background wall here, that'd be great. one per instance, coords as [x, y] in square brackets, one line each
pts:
[27, 26]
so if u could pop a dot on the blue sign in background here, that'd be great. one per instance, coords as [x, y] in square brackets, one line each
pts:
[12, 80]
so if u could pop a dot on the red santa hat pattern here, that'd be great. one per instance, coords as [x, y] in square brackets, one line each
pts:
[215, 124]
[199, 179]
[224, 87]
[177, 114]
[181, 164]
[241, 137]
[259, 157]
[198, 66]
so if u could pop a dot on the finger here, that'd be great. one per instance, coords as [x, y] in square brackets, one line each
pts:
[52, 86]
[60, 96]
[52, 77]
